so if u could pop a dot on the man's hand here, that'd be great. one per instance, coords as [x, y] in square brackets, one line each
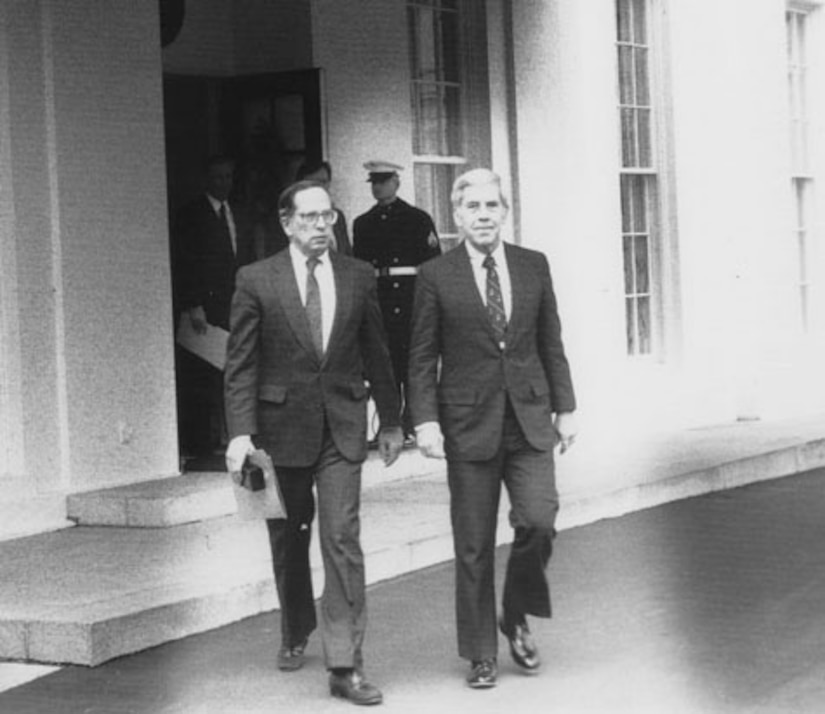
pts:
[237, 452]
[390, 443]
[566, 428]
[430, 440]
[197, 316]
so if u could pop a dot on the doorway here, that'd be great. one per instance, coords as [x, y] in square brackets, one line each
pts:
[269, 124]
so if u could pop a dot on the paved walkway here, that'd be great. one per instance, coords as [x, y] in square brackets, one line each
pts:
[709, 605]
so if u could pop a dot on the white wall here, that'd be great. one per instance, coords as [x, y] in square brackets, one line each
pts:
[732, 166]
[734, 348]
[567, 134]
[85, 239]
[365, 59]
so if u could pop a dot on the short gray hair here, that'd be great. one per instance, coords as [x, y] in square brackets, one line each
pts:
[476, 177]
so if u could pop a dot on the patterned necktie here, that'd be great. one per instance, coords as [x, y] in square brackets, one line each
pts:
[495, 303]
[313, 307]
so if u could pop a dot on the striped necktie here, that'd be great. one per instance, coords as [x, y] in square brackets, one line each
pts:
[495, 302]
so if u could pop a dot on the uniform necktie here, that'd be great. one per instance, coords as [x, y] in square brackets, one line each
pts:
[495, 302]
[313, 307]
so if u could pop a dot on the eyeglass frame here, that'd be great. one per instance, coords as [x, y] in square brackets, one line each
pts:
[330, 217]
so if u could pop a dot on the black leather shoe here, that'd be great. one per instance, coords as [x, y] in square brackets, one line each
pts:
[483, 673]
[291, 658]
[522, 648]
[353, 687]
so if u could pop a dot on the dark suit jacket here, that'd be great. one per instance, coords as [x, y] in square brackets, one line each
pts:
[204, 262]
[468, 398]
[276, 385]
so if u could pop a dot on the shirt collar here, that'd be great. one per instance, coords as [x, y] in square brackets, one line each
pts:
[477, 256]
[299, 258]
[215, 203]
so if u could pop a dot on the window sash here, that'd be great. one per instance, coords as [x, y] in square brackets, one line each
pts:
[639, 257]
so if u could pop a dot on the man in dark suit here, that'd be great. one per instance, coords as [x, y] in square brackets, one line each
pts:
[306, 331]
[211, 239]
[490, 388]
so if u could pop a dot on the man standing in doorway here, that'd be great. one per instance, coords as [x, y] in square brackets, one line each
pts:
[306, 331]
[395, 238]
[490, 388]
[211, 240]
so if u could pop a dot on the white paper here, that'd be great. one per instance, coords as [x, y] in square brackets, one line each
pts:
[210, 346]
[266, 503]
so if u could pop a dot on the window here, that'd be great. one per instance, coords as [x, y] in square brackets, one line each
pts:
[448, 88]
[801, 179]
[639, 179]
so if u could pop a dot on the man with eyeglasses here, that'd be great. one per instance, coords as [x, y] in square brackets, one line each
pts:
[395, 238]
[306, 330]
[490, 389]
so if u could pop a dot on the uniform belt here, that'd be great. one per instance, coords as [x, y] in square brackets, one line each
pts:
[394, 272]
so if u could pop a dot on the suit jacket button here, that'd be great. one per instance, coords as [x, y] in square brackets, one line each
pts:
[501, 345]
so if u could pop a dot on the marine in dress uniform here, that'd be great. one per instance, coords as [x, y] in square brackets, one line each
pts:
[395, 237]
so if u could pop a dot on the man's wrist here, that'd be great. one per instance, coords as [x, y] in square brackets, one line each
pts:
[426, 426]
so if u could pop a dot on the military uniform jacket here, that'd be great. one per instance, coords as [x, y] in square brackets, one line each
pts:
[390, 237]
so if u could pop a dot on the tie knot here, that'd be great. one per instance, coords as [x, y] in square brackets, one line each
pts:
[313, 263]
[489, 262]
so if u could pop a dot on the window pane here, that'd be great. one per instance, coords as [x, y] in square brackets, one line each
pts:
[450, 47]
[623, 20]
[627, 212]
[625, 75]
[628, 138]
[645, 156]
[437, 120]
[642, 78]
[423, 43]
[629, 282]
[433, 183]
[642, 264]
[643, 325]
[640, 22]
[630, 322]
[639, 202]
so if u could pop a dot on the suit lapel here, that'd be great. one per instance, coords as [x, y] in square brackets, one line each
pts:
[518, 286]
[285, 286]
[466, 280]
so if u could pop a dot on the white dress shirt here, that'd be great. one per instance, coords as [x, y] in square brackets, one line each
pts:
[480, 274]
[216, 206]
[326, 286]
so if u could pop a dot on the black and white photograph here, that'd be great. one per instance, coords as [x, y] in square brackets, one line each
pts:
[418, 355]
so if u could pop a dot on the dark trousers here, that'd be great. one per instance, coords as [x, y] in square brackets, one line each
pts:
[475, 489]
[343, 612]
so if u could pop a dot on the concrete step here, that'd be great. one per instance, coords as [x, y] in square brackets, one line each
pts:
[198, 496]
[84, 595]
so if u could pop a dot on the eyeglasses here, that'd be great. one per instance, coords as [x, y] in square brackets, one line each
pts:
[312, 217]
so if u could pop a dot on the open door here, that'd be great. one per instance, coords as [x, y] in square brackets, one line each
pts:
[269, 123]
